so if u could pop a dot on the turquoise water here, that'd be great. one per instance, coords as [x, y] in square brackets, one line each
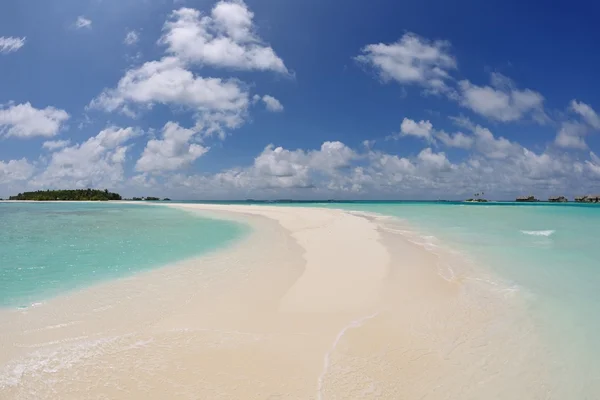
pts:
[551, 253]
[47, 249]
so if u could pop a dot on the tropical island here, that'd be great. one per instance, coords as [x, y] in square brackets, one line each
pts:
[77, 195]
[477, 198]
[68, 195]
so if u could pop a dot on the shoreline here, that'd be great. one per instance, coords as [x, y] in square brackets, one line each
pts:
[316, 303]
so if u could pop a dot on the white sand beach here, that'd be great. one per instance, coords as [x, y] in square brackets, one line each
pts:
[314, 304]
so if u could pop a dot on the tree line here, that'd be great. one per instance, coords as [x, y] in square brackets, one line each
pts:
[68, 195]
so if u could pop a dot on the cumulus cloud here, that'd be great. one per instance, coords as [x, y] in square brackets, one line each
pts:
[502, 101]
[572, 132]
[131, 38]
[500, 167]
[425, 130]
[272, 103]
[83, 22]
[173, 151]
[15, 170]
[416, 60]
[225, 38]
[280, 168]
[97, 162]
[571, 136]
[458, 139]
[593, 165]
[55, 144]
[411, 60]
[9, 44]
[587, 113]
[434, 161]
[421, 129]
[168, 82]
[25, 121]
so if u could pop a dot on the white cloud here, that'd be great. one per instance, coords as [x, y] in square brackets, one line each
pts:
[433, 161]
[9, 44]
[570, 136]
[97, 162]
[226, 38]
[587, 113]
[174, 151]
[280, 168]
[502, 101]
[55, 144]
[25, 121]
[168, 82]
[83, 22]
[411, 60]
[15, 170]
[131, 38]
[272, 104]
[459, 139]
[424, 130]
[491, 147]
[392, 165]
[331, 157]
[499, 167]
[593, 165]
[421, 129]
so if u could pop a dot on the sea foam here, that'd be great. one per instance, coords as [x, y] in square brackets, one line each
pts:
[539, 233]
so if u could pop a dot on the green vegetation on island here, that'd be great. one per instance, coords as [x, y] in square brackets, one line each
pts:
[78, 195]
[477, 198]
[68, 195]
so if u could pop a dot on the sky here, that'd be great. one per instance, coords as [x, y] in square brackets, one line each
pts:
[303, 99]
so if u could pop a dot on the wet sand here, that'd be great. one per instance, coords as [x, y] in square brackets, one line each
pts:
[314, 304]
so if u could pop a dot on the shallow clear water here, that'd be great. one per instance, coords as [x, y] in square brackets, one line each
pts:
[46, 249]
[551, 253]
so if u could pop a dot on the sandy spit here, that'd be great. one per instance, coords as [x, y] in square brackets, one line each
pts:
[314, 304]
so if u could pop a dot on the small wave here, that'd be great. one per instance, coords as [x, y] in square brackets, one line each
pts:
[327, 360]
[50, 361]
[539, 233]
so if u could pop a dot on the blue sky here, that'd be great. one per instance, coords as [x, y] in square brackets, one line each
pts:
[303, 99]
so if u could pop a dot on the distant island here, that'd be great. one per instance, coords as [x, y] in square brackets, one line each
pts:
[477, 198]
[78, 195]
[68, 195]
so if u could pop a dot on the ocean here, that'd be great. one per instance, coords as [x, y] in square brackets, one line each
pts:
[50, 248]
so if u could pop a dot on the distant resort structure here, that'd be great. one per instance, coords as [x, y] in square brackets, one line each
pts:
[561, 199]
[532, 199]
